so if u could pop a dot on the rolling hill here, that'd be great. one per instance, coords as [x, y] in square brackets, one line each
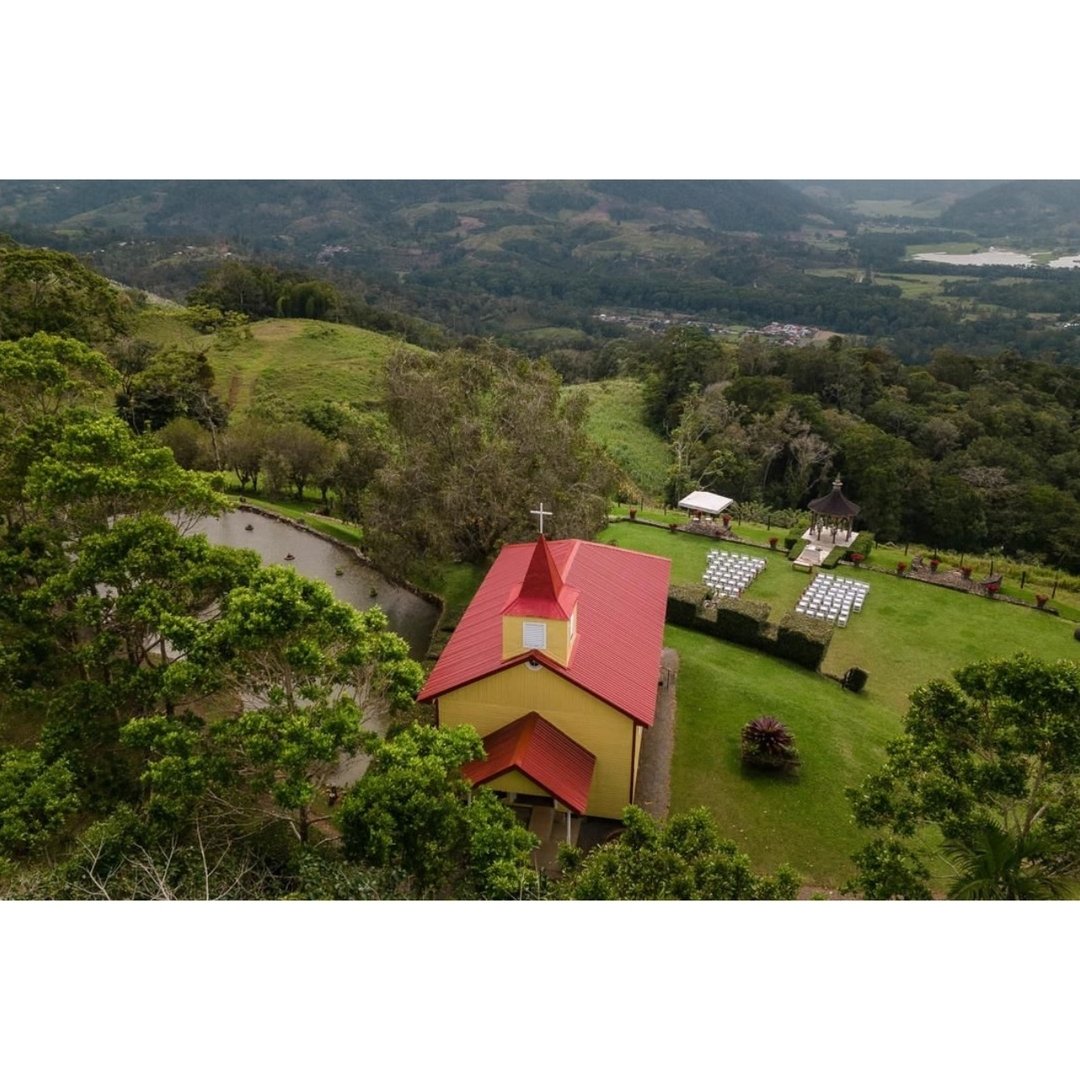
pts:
[286, 362]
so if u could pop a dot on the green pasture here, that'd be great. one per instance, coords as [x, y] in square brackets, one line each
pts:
[303, 362]
[295, 362]
[616, 422]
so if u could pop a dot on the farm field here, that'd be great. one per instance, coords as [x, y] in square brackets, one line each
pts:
[908, 632]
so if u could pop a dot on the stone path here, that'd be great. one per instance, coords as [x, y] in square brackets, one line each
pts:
[658, 744]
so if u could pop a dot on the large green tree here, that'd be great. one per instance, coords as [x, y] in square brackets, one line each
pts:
[51, 291]
[478, 438]
[683, 858]
[992, 760]
[412, 811]
[304, 673]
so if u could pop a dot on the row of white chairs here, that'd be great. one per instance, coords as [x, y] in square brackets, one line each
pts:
[832, 598]
[729, 573]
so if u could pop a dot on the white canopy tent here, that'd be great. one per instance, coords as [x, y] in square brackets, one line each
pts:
[705, 502]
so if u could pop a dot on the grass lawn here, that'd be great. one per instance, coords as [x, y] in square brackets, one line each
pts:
[907, 633]
[803, 820]
[616, 421]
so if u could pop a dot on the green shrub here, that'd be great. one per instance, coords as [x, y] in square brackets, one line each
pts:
[741, 621]
[832, 560]
[683, 603]
[797, 550]
[802, 640]
[863, 544]
[855, 679]
[767, 744]
[1076, 633]
[793, 537]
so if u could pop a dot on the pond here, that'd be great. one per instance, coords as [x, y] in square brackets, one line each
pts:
[350, 579]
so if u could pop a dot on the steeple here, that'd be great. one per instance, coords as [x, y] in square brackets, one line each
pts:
[541, 613]
[542, 594]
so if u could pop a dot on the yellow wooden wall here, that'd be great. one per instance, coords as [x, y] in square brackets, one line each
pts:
[516, 782]
[490, 703]
[558, 637]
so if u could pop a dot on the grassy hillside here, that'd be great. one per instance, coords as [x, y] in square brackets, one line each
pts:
[296, 362]
[616, 421]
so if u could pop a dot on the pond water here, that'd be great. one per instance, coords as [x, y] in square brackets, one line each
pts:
[995, 257]
[410, 616]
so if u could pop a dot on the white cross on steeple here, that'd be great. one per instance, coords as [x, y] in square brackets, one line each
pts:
[542, 513]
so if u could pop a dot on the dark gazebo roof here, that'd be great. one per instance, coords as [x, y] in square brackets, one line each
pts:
[835, 504]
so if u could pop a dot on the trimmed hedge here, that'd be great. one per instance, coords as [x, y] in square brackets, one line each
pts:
[803, 640]
[732, 619]
[832, 560]
[793, 537]
[799, 547]
[683, 602]
[864, 544]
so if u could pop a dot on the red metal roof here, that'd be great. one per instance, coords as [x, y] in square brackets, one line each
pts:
[542, 592]
[544, 754]
[620, 624]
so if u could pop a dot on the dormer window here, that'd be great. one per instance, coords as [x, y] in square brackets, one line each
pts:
[534, 635]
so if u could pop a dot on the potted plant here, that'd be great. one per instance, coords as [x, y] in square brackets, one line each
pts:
[727, 520]
[856, 557]
[633, 513]
[992, 587]
[965, 572]
[1040, 600]
[773, 541]
[935, 562]
[901, 567]
[673, 525]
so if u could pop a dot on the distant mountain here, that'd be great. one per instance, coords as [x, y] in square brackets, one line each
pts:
[911, 190]
[730, 205]
[308, 213]
[1024, 211]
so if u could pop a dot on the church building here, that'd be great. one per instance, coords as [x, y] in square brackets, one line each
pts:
[556, 663]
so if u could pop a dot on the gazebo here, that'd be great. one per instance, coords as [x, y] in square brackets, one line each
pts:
[705, 502]
[833, 511]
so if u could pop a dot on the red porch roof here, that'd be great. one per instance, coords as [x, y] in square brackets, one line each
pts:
[541, 752]
[620, 624]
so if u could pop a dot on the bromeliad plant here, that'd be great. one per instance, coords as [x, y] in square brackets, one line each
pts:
[767, 744]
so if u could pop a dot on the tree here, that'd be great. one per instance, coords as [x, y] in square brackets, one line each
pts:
[477, 440]
[296, 454]
[681, 859]
[36, 799]
[245, 446]
[51, 291]
[993, 761]
[413, 812]
[687, 356]
[43, 379]
[307, 673]
[97, 470]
